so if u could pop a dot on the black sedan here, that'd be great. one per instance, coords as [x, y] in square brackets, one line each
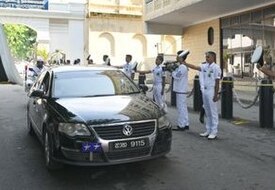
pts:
[95, 116]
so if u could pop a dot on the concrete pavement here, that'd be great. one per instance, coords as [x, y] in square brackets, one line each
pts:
[243, 157]
[246, 91]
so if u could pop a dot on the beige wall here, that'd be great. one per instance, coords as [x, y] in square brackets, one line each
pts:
[116, 24]
[117, 35]
[195, 38]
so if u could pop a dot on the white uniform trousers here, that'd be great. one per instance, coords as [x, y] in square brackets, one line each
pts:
[183, 119]
[159, 99]
[211, 111]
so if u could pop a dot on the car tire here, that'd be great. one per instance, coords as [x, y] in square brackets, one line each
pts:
[48, 153]
[29, 126]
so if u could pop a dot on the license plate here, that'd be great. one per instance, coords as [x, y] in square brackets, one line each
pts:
[130, 144]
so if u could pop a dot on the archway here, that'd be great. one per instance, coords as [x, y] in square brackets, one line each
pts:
[169, 45]
[107, 44]
[140, 47]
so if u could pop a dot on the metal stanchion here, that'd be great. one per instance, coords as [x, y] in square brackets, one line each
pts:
[227, 98]
[141, 82]
[266, 104]
[197, 98]
[173, 95]
[141, 79]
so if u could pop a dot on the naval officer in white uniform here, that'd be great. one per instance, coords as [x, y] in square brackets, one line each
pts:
[211, 73]
[180, 87]
[158, 82]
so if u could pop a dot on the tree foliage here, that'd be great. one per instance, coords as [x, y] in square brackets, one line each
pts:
[43, 53]
[21, 40]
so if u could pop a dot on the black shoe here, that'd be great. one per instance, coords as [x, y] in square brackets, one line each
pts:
[179, 128]
[186, 127]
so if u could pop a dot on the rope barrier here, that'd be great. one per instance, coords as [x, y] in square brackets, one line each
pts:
[237, 98]
[188, 95]
[242, 104]
[191, 93]
[254, 100]
[257, 85]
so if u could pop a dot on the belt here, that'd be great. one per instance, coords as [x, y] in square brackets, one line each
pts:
[210, 87]
[181, 92]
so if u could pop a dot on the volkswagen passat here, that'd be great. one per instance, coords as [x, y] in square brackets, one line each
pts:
[95, 116]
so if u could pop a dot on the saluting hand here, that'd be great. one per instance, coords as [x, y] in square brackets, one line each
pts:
[258, 66]
[216, 98]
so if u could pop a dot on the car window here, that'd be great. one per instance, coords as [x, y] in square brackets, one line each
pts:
[45, 83]
[92, 83]
[38, 83]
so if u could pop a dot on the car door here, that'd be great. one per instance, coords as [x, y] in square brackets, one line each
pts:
[37, 104]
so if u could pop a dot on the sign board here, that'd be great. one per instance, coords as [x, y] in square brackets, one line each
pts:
[25, 4]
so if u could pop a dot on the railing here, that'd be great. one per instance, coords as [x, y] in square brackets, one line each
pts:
[117, 7]
[156, 5]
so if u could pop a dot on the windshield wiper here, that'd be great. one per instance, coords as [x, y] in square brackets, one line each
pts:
[137, 92]
[98, 95]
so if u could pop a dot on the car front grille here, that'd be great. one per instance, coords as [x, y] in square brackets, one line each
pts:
[80, 156]
[127, 154]
[115, 131]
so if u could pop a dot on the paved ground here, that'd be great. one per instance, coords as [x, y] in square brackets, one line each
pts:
[246, 91]
[243, 157]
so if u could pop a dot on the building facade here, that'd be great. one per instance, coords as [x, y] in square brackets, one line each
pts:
[60, 24]
[146, 28]
[117, 28]
[79, 28]
[230, 28]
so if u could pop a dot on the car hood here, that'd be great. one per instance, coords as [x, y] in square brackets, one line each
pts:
[108, 109]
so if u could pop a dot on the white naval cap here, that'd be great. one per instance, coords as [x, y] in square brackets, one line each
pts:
[257, 56]
[184, 53]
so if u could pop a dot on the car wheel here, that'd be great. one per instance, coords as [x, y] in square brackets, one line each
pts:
[29, 126]
[48, 151]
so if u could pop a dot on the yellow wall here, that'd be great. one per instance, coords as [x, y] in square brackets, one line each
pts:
[195, 38]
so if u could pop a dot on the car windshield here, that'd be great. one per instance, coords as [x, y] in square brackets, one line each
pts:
[92, 83]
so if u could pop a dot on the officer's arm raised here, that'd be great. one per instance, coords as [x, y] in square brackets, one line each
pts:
[267, 71]
[195, 67]
[143, 72]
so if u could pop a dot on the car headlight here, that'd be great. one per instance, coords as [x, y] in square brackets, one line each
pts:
[163, 122]
[72, 129]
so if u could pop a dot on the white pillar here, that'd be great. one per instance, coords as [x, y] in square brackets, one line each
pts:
[76, 40]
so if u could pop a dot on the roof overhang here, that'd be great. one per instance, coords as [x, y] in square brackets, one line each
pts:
[199, 11]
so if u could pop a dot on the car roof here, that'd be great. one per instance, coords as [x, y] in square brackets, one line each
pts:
[68, 68]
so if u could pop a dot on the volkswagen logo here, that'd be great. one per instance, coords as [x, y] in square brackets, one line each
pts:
[127, 130]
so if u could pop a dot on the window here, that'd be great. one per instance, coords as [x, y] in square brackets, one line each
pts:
[242, 33]
[210, 36]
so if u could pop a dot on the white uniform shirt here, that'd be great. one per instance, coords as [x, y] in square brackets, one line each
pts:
[180, 76]
[36, 71]
[127, 69]
[201, 79]
[210, 72]
[158, 73]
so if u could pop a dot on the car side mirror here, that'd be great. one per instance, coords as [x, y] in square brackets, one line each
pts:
[37, 93]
